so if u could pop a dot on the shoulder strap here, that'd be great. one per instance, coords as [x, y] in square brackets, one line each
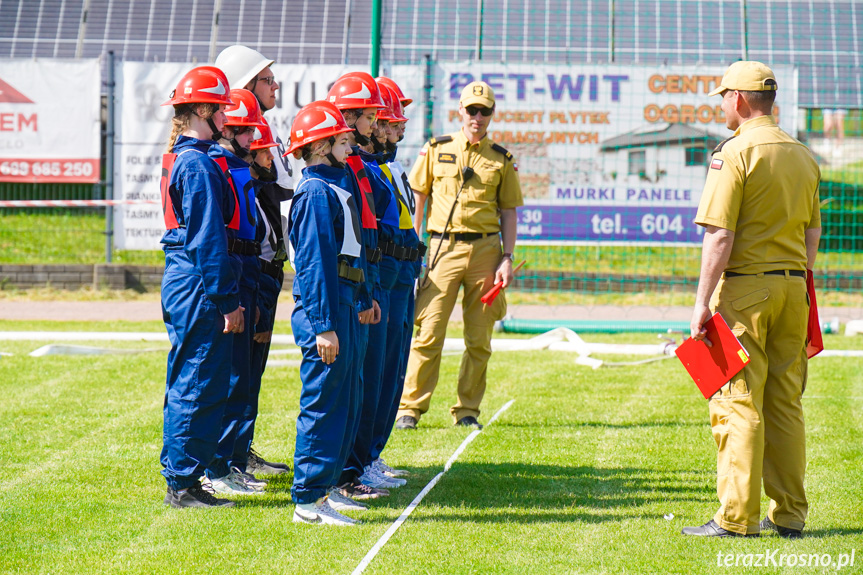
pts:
[501, 150]
[721, 144]
[440, 140]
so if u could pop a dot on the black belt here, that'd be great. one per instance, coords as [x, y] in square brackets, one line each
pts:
[272, 269]
[351, 273]
[393, 250]
[402, 253]
[795, 273]
[244, 247]
[373, 256]
[462, 237]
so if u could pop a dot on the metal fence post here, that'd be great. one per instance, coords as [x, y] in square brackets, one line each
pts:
[376, 37]
[109, 162]
[427, 87]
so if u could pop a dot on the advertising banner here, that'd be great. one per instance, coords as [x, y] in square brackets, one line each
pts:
[606, 153]
[49, 120]
[144, 127]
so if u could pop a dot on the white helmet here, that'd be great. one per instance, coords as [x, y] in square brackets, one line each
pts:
[241, 64]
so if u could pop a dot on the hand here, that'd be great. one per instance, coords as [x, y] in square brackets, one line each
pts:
[264, 336]
[366, 316]
[257, 315]
[328, 346]
[376, 312]
[235, 321]
[700, 315]
[504, 272]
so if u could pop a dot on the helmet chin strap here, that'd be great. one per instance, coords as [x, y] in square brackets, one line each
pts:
[265, 174]
[378, 147]
[239, 150]
[361, 140]
[331, 158]
[391, 147]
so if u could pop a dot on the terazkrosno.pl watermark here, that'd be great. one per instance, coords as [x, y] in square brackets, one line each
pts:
[773, 558]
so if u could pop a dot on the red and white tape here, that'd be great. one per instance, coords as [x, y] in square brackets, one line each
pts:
[70, 203]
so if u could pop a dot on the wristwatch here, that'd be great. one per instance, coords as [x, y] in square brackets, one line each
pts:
[507, 256]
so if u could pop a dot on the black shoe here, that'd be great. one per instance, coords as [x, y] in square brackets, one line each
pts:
[406, 422]
[194, 496]
[469, 421]
[711, 529]
[257, 465]
[359, 492]
[785, 532]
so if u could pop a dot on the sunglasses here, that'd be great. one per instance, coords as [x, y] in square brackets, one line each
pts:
[268, 80]
[472, 110]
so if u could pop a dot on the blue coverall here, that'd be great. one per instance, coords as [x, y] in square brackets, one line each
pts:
[230, 453]
[386, 209]
[367, 292]
[269, 234]
[323, 302]
[199, 287]
[399, 330]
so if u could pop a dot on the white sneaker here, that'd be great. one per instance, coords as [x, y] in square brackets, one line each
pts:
[341, 503]
[373, 478]
[321, 512]
[385, 469]
[230, 484]
[249, 479]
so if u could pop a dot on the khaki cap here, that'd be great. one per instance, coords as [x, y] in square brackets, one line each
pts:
[477, 93]
[749, 76]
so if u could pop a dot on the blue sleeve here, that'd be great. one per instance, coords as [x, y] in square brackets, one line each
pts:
[268, 294]
[206, 240]
[316, 258]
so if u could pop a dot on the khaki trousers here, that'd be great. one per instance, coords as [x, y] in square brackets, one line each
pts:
[757, 418]
[471, 265]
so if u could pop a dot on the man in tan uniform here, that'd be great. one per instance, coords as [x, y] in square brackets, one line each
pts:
[472, 188]
[760, 211]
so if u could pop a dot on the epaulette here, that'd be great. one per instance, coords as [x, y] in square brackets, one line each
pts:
[440, 140]
[722, 143]
[501, 150]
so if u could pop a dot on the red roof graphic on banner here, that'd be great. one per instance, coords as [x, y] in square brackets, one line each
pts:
[10, 95]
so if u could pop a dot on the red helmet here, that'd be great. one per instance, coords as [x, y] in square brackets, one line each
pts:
[316, 121]
[393, 111]
[245, 111]
[355, 90]
[395, 88]
[201, 85]
[263, 137]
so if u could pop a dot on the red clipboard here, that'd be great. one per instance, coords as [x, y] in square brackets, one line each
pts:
[713, 367]
[814, 340]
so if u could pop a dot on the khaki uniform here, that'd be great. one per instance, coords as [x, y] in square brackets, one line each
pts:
[762, 184]
[472, 264]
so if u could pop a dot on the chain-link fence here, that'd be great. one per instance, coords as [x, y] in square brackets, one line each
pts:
[603, 103]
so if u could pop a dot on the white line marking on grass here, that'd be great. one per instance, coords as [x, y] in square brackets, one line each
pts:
[413, 505]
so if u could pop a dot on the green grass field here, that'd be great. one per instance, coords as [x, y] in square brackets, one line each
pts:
[576, 477]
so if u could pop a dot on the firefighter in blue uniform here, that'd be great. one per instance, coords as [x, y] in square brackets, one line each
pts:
[249, 69]
[270, 236]
[200, 294]
[325, 240]
[357, 96]
[400, 324]
[227, 472]
[391, 243]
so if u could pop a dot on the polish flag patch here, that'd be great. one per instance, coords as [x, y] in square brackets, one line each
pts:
[515, 166]
[423, 152]
[716, 164]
